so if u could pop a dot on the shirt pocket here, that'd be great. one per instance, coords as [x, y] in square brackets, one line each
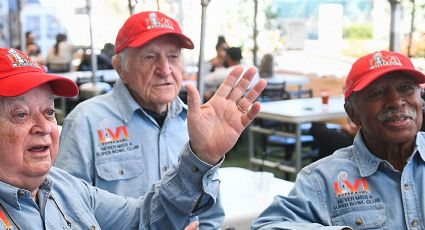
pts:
[365, 217]
[119, 169]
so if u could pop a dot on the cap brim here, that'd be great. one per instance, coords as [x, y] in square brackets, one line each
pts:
[416, 75]
[19, 84]
[141, 40]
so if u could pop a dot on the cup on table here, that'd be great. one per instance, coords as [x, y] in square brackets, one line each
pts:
[324, 94]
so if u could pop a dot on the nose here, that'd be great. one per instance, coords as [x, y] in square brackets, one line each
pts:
[394, 98]
[163, 67]
[41, 125]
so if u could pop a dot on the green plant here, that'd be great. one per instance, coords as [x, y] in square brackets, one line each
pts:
[358, 31]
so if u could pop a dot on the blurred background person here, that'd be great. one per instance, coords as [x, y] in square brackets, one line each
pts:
[60, 55]
[104, 60]
[31, 48]
[232, 59]
[266, 69]
[218, 60]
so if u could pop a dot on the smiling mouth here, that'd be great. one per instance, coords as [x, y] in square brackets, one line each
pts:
[397, 119]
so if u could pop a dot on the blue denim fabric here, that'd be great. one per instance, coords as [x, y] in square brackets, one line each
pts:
[113, 144]
[64, 199]
[353, 188]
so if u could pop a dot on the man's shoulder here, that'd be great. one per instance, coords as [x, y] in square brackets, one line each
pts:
[340, 159]
[95, 103]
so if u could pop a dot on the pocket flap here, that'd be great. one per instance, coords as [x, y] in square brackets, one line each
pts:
[119, 170]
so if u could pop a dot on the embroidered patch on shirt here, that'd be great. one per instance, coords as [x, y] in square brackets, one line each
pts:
[114, 140]
[4, 219]
[349, 193]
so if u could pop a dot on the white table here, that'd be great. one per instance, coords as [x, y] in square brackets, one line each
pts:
[107, 75]
[245, 194]
[294, 111]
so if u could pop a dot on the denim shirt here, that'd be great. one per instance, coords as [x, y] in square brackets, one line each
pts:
[66, 202]
[113, 144]
[353, 188]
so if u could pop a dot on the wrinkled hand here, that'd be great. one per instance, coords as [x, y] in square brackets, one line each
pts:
[215, 126]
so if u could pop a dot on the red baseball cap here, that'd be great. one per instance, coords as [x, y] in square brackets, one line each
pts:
[145, 26]
[19, 74]
[374, 65]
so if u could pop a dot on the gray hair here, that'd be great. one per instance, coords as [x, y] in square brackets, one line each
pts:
[123, 59]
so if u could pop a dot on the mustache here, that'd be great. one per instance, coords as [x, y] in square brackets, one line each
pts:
[393, 113]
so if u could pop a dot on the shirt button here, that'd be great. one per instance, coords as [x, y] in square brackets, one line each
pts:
[121, 172]
[21, 193]
[414, 223]
[359, 221]
[406, 187]
[92, 227]
[165, 168]
[195, 169]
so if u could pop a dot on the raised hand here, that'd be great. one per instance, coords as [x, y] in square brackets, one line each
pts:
[215, 126]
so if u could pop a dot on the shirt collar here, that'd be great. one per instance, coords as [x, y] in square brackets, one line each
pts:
[368, 163]
[128, 106]
[10, 193]
[420, 144]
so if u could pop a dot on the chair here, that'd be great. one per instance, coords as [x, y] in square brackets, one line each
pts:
[274, 92]
[302, 93]
[278, 146]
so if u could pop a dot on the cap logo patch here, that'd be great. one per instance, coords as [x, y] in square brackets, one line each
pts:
[379, 59]
[155, 22]
[18, 60]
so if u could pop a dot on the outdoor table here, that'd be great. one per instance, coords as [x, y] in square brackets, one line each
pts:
[297, 112]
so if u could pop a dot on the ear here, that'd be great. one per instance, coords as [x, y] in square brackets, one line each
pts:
[116, 63]
[352, 114]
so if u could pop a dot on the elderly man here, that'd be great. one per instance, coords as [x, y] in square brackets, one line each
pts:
[126, 140]
[377, 183]
[34, 195]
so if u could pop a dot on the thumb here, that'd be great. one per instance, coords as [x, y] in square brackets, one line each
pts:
[193, 99]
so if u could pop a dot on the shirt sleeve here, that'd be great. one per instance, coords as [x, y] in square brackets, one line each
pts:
[302, 209]
[76, 147]
[188, 189]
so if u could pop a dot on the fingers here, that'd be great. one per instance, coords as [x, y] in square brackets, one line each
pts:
[234, 86]
[248, 117]
[246, 101]
[251, 108]
[229, 82]
[240, 88]
[193, 99]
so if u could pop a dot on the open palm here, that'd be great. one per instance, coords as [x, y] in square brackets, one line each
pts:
[215, 126]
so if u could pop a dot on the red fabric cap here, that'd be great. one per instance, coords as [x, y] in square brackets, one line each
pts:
[19, 74]
[372, 66]
[145, 26]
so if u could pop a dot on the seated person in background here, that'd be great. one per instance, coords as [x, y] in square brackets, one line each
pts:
[59, 56]
[104, 59]
[232, 59]
[31, 48]
[35, 195]
[377, 183]
[220, 48]
[266, 66]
